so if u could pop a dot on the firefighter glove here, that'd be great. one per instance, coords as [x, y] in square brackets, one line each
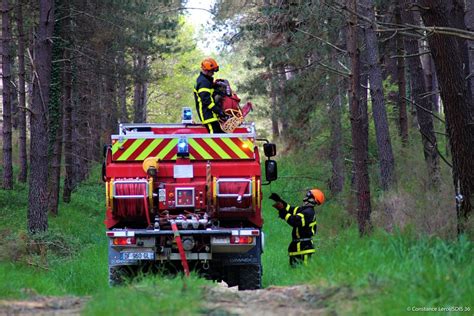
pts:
[275, 197]
[279, 206]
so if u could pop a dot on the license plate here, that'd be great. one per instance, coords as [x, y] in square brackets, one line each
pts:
[220, 240]
[137, 256]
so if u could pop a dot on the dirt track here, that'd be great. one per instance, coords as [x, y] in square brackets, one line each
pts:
[291, 300]
[43, 305]
[287, 301]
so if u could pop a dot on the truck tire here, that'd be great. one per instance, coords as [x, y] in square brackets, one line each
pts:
[250, 277]
[118, 274]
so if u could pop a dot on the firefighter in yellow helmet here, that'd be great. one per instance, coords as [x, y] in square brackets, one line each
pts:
[303, 220]
[208, 111]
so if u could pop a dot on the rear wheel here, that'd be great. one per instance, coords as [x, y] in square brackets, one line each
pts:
[118, 275]
[250, 277]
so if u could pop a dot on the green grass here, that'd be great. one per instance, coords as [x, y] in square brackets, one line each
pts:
[377, 275]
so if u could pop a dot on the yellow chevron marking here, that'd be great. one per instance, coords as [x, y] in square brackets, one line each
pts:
[149, 149]
[129, 151]
[168, 148]
[217, 148]
[201, 151]
[236, 149]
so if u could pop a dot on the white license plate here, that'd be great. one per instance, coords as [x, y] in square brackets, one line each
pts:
[220, 240]
[137, 255]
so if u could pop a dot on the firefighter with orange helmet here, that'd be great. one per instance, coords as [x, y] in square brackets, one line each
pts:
[303, 220]
[208, 111]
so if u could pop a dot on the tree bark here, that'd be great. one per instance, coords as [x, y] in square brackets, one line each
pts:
[22, 153]
[458, 104]
[6, 93]
[382, 133]
[359, 121]
[38, 179]
[122, 88]
[140, 90]
[401, 82]
[56, 113]
[68, 128]
[421, 103]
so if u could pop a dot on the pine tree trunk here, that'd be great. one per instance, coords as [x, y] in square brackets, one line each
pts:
[382, 133]
[401, 100]
[458, 104]
[6, 93]
[359, 122]
[22, 154]
[38, 179]
[421, 104]
[336, 183]
[56, 115]
[469, 21]
[122, 88]
[274, 105]
[68, 128]
[140, 91]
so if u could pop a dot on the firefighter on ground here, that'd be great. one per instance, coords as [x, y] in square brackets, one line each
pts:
[303, 220]
[208, 111]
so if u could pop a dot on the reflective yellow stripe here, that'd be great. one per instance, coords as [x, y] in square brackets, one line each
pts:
[298, 246]
[210, 120]
[303, 252]
[294, 211]
[130, 150]
[212, 104]
[259, 199]
[149, 149]
[167, 149]
[216, 148]
[111, 195]
[150, 194]
[106, 195]
[303, 223]
[297, 232]
[116, 146]
[305, 260]
[254, 194]
[214, 191]
[201, 151]
[287, 216]
[288, 207]
[236, 149]
[211, 91]
[312, 225]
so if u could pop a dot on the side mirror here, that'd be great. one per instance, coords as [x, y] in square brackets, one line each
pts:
[271, 172]
[269, 149]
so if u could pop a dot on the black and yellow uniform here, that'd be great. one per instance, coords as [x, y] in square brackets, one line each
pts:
[206, 107]
[303, 221]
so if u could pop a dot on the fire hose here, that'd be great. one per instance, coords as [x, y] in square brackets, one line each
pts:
[179, 243]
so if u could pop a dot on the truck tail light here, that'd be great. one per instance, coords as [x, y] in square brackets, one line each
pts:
[241, 240]
[124, 241]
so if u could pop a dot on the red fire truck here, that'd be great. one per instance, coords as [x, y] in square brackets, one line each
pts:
[179, 198]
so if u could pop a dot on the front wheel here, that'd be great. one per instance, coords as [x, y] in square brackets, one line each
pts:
[250, 277]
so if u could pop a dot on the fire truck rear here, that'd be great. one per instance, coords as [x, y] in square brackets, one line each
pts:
[179, 198]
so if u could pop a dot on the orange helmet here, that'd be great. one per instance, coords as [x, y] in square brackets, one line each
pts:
[209, 64]
[317, 195]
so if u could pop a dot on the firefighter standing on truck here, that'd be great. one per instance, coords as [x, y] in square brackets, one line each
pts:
[303, 221]
[208, 111]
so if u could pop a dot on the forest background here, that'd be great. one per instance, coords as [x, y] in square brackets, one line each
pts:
[369, 100]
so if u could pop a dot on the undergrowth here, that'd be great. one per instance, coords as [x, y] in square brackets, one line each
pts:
[384, 273]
